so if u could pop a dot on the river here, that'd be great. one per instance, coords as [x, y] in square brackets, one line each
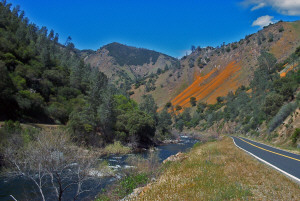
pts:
[23, 189]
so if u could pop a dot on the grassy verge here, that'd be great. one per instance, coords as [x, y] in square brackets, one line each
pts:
[220, 171]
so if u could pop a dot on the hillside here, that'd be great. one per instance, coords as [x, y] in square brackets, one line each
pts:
[208, 73]
[125, 64]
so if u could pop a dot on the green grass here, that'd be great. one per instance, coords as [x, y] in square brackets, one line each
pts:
[220, 171]
[125, 187]
[116, 148]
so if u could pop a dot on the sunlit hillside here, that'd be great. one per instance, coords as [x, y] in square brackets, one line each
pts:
[208, 73]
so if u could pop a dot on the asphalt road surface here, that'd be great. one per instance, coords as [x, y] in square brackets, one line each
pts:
[283, 161]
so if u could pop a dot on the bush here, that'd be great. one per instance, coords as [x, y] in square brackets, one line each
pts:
[168, 105]
[11, 127]
[193, 101]
[116, 148]
[283, 113]
[130, 93]
[296, 135]
[271, 37]
[178, 107]
[144, 165]
[131, 182]
[58, 112]
[281, 29]
[191, 62]
[272, 104]
[179, 125]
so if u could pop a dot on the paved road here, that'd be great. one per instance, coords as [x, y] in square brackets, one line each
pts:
[286, 162]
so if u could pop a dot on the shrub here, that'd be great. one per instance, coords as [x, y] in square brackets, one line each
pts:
[179, 125]
[283, 113]
[116, 148]
[191, 62]
[281, 29]
[234, 46]
[159, 71]
[144, 165]
[168, 104]
[298, 96]
[178, 107]
[272, 104]
[128, 183]
[296, 135]
[12, 127]
[193, 101]
[271, 37]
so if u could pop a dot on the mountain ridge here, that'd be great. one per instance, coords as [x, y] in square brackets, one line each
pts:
[126, 64]
[280, 39]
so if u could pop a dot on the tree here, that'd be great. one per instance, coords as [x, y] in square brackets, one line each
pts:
[7, 90]
[166, 67]
[179, 124]
[263, 75]
[58, 112]
[168, 105]
[163, 125]
[272, 104]
[52, 158]
[178, 107]
[159, 71]
[281, 29]
[164, 119]
[220, 99]
[293, 58]
[271, 37]
[191, 62]
[267, 61]
[135, 127]
[149, 106]
[193, 48]
[287, 91]
[297, 52]
[186, 115]
[193, 101]
[201, 107]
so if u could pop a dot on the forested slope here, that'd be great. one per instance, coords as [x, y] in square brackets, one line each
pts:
[44, 81]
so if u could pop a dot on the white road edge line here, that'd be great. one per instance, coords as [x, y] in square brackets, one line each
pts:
[291, 176]
[270, 146]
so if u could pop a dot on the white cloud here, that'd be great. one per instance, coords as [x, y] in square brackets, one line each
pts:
[258, 6]
[285, 7]
[263, 21]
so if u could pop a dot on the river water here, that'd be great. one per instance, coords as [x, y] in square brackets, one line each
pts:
[23, 189]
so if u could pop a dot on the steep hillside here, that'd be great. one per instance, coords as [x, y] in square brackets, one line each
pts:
[124, 64]
[211, 72]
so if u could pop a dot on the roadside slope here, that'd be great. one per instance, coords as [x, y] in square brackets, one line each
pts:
[220, 171]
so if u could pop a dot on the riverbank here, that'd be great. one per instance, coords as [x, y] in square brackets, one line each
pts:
[139, 169]
[220, 171]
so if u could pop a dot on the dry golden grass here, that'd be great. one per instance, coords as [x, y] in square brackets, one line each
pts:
[220, 171]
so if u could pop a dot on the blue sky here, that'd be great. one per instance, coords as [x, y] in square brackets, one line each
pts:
[168, 26]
